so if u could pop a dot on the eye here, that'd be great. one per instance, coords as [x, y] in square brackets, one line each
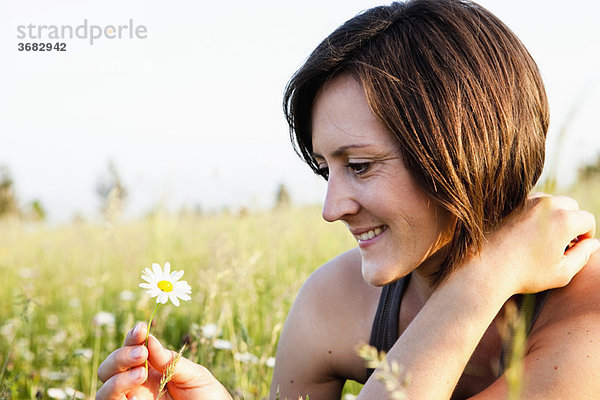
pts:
[359, 168]
[323, 171]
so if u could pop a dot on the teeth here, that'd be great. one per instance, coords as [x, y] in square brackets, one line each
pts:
[370, 234]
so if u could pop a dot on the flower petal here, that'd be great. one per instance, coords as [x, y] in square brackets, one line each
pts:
[183, 296]
[157, 271]
[174, 299]
[162, 298]
[176, 275]
[167, 270]
[146, 285]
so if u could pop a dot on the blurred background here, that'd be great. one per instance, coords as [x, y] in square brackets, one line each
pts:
[190, 117]
[173, 147]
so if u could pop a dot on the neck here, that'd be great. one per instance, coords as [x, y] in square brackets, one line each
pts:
[421, 277]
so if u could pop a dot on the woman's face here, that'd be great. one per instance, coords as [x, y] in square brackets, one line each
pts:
[396, 225]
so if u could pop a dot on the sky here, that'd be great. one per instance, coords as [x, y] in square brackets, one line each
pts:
[191, 112]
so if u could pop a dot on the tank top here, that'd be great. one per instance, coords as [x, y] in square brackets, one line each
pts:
[385, 325]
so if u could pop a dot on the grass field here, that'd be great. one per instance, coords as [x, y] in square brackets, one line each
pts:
[70, 293]
[244, 272]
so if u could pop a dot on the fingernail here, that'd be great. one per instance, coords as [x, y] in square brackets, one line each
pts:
[136, 329]
[138, 373]
[136, 352]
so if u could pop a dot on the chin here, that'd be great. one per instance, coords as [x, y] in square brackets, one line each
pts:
[379, 275]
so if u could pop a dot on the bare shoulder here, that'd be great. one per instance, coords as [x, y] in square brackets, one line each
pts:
[578, 301]
[332, 313]
[564, 351]
[562, 358]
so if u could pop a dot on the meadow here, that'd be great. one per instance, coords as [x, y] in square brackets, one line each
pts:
[70, 293]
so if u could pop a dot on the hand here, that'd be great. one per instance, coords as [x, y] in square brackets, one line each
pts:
[541, 247]
[124, 374]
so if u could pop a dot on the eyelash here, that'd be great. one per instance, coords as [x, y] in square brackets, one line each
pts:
[357, 168]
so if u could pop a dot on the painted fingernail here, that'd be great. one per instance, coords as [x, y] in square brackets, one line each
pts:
[138, 373]
[136, 329]
[136, 352]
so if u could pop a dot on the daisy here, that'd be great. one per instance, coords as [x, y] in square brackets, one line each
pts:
[165, 285]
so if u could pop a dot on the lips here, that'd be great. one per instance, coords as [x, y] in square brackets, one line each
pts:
[369, 234]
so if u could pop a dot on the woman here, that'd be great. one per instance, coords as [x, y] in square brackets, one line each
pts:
[428, 120]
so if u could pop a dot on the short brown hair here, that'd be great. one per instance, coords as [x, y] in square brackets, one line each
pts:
[458, 90]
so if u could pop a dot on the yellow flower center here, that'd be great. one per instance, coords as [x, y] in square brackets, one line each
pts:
[165, 286]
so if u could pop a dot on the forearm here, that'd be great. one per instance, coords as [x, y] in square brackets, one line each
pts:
[439, 342]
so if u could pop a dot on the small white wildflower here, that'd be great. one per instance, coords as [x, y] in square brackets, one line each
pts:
[60, 337]
[104, 318]
[57, 376]
[349, 396]
[26, 273]
[245, 358]
[86, 354]
[127, 295]
[74, 302]
[165, 285]
[270, 362]
[210, 331]
[222, 344]
[9, 328]
[56, 393]
[72, 393]
[51, 321]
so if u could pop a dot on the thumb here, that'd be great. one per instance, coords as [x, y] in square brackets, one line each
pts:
[188, 375]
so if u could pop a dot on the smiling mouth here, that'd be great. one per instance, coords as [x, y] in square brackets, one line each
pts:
[370, 234]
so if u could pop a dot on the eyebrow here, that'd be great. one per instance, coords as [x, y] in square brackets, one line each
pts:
[343, 149]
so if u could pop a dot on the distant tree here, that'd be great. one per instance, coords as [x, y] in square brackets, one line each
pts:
[37, 212]
[112, 192]
[589, 172]
[283, 197]
[8, 200]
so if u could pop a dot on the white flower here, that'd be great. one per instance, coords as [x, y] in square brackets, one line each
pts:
[86, 354]
[270, 362]
[245, 358]
[165, 285]
[56, 393]
[222, 344]
[72, 393]
[349, 396]
[127, 295]
[210, 331]
[104, 318]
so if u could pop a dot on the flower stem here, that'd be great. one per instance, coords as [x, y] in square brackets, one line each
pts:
[148, 331]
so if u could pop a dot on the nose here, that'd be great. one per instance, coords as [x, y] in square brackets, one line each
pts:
[339, 200]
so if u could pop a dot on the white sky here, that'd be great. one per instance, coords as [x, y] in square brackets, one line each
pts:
[192, 114]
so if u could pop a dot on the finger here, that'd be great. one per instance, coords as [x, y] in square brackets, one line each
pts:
[121, 360]
[137, 335]
[186, 371]
[565, 202]
[116, 387]
[582, 225]
[579, 255]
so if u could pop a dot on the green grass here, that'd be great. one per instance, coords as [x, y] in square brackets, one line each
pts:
[244, 271]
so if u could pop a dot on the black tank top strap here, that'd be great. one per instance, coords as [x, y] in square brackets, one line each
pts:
[385, 325]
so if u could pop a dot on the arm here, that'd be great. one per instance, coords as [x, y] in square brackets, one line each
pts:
[525, 255]
[331, 314]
